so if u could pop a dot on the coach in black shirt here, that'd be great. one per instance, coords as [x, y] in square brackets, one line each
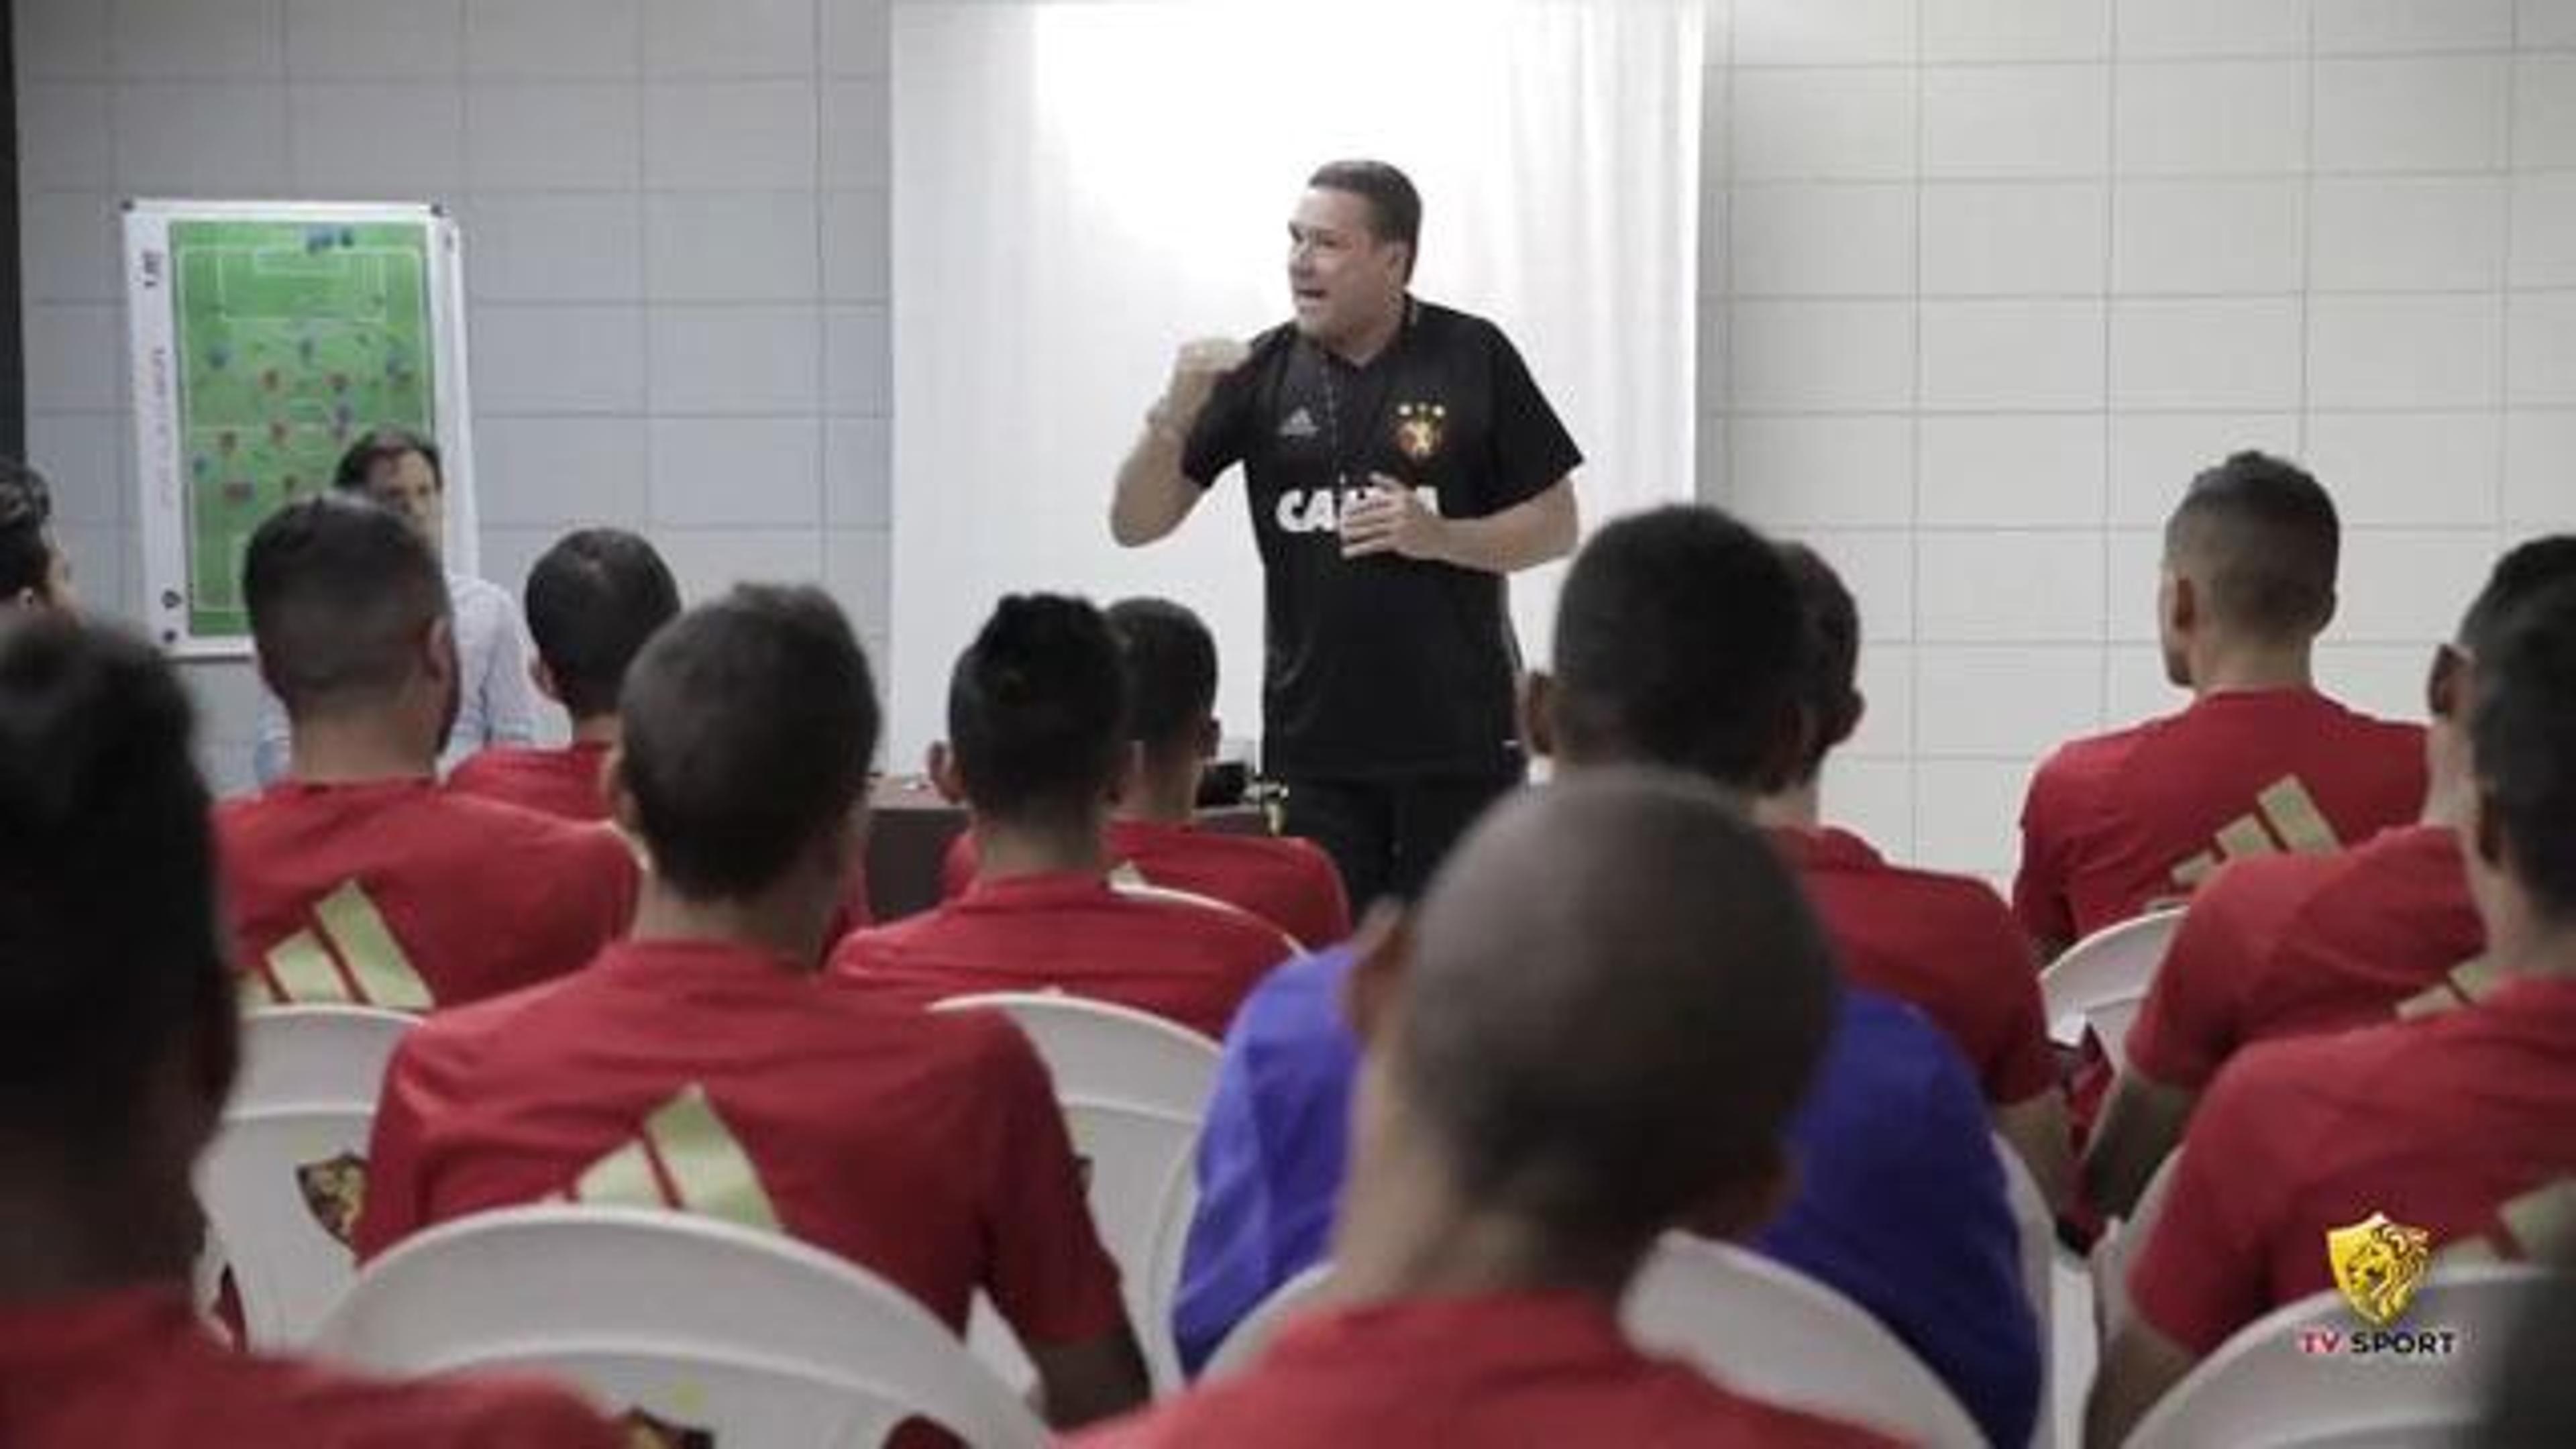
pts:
[1399, 463]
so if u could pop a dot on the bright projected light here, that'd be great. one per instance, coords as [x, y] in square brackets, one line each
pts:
[1082, 185]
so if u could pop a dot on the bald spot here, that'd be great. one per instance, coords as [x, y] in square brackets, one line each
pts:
[1617, 998]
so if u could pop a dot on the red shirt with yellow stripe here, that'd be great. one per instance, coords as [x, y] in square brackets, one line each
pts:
[2461, 1123]
[136, 1367]
[716, 1078]
[394, 893]
[2293, 945]
[1286, 881]
[1190, 962]
[2120, 822]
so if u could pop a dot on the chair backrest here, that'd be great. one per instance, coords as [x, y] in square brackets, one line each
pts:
[280, 1182]
[2276, 1386]
[751, 1336]
[1131, 883]
[2101, 979]
[1253, 1334]
[1134, 1089]
[1781, 1336]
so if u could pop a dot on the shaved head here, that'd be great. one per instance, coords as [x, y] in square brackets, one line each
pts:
[2261, 538]
[1616, 999]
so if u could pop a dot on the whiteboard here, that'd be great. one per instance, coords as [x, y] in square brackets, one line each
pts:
[264, 338]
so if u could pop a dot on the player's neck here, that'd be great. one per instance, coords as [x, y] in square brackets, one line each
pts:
[2241, 668]
[1363, 346]
[357, 748]
[55, 1246]
[1406, 1235]
[597, 729]
[1796, 808]
[1159, 795]
[787, 920]
[1008, 848]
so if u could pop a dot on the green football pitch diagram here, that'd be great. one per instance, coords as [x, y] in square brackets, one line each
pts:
[294, 338]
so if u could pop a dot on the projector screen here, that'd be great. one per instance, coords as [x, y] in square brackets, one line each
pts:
[1082, 185]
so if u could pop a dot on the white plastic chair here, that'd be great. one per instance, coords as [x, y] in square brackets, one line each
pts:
[293, 1141]
[1253, 1334]
[1134, 1089]
[1135, 887]
[1779, 1335]
[2036, 1228]
[2102, 980]
[759, 1339]
[2262, 1391]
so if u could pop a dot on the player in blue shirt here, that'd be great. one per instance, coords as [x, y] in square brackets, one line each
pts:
[1677, 639]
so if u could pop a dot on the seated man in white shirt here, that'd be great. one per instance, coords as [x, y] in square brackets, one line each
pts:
[497, 702]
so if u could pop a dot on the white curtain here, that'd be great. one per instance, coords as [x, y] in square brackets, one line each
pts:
[1080, 185]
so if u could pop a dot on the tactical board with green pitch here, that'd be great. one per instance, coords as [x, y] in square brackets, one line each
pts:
[294, 339]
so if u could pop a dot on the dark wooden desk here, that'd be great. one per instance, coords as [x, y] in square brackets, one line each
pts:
[909, 828]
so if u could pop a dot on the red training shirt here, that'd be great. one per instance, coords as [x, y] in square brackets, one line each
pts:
[1286, 881]
[926, 1148]
[397, 894]
[1506, 1370]
[2297, 944]
[1072, 931]
[2461, 1123]
[135, 1368]
[564, 783]
[2120, 822]
[1942, 942]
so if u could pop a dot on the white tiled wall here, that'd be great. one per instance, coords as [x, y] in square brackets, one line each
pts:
[676, 226]
[1989, 279]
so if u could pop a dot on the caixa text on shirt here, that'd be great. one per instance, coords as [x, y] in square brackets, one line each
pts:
[1318, 510]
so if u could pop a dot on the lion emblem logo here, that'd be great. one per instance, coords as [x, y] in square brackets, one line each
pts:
[1419, 428]
[335, 1190]
[2378, 1264]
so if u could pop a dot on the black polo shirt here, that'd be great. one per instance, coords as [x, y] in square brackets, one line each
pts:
[1383, 666]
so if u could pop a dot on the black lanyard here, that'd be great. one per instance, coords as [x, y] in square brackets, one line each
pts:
[1394, 360]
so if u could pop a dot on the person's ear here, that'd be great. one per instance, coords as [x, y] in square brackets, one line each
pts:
[544, 679]
[1793, 738]
[2326, 619]
[2486, 829]
[1381, 951]
[27, 598]
[1211, 735]
[2182, 603]
[438, 651]
[940, 764]
[1537, 714]
[1736, 1210]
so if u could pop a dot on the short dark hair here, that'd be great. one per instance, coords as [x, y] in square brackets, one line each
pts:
[2523, 729]
[1678, 643]
[109, 953]
[26, 530]
[380, 446]
[2525, 570]
[1645, 907]
[749, 726]
[2261, 536]
[1037, 710]
[593, 599]
[1828, 680]
[1395, 208]
[338, 590]
[1171, 673]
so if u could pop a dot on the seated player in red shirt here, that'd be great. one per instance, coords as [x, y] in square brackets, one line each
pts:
[592, 601]
[2460, 1124]
[707, 1065]
[356, 878]
[123, 1044]
[1946, 943]
[1037, 743]
[1509, 1175]
[1171, 715]
[35, 573]
[2293, 945]
[2259, 763]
